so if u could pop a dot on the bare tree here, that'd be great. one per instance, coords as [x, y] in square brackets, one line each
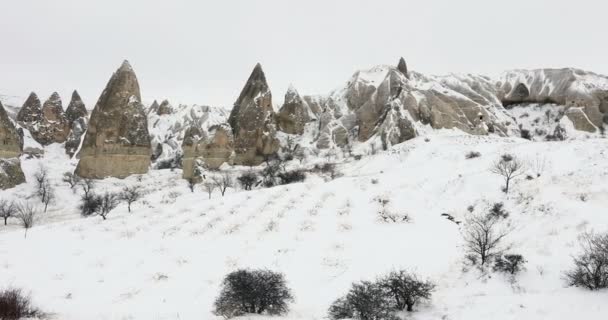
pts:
[509, 167]
[26, 213]
[248, 180]
[209, 186]
[8, 209]
[484, 238]
[49, 195]
[591, 265]
[87, 186]
[192, 182]
[71, 179]
[538, 164]
[108, 201]
[41, 176]
[131, 194]
[223, 182]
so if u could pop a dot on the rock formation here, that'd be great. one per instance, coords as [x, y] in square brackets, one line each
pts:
[209, 151]
[117, 143]
[10, 150]
[48, 123]
[164, 108]
[294, 114]
[11, 174]
[153, 107]
[11, 140]
[76, 114]
[31, 111]
[252, 121]
[585, 94]
[402, 67]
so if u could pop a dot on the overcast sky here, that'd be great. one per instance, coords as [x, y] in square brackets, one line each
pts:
[202, 51]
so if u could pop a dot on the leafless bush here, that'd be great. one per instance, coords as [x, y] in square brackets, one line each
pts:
[192, 182]
[223, 182]
[108, 201]
[71, 179]
[41, 176]
[591, 265]
[509, 263]
[8, 209]
[87, 186]
[538, 165]
[15, 305]
[131, 194]
[484, 239]
[248, 180]
[209, 186]
[27, 213]
[509, 167]
[472, 154]
[407, 289]
[386, 214]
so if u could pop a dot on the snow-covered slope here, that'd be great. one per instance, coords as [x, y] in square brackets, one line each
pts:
[167, 258]
[167, 130]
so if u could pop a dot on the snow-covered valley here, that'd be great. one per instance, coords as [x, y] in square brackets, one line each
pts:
[166, 259]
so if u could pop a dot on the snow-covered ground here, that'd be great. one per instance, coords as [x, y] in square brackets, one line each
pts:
[166, 259]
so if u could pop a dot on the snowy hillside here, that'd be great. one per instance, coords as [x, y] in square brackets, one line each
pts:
[167, 258]
[167, 130]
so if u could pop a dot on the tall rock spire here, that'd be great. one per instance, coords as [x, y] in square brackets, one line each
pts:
[76, 109]
[117, 143]
[252, 121]
[76, 113]
[31, 110]
[294, 114]
[11, 145]
[402, 67]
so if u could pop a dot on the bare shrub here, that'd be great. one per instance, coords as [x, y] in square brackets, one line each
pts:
[15, 305]
[472, 154]
[591, 265]
[291, 176]
[87, 186]
[209, 186]
[131, 194]
[107, 202]
[253, 292]
[386, 214]
[8, 209]
[27, 213]
[406, 289]
[89, 204]
[509, 263]
[509, 167]
[484, 239]
[192, 182]
[498, 211]
[365, 301]
[248, 180]
[223, 182]
[71, 179]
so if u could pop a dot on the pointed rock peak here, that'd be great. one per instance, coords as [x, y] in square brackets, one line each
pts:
[75, 96]
[125, 66]
[257, 73]
[54, 97]
[32, 99]
[165, 108]
[402, 67]
[2, 108]
[292, 89]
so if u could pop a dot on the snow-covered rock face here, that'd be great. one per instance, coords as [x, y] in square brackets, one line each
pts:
[167, 131]
[46, 123]
[585, 94]
[294, 114]
[383, 102]
[117, 143]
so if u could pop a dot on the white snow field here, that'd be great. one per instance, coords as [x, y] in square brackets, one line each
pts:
[167, 258]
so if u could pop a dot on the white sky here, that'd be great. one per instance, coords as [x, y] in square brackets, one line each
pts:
[202, 51]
